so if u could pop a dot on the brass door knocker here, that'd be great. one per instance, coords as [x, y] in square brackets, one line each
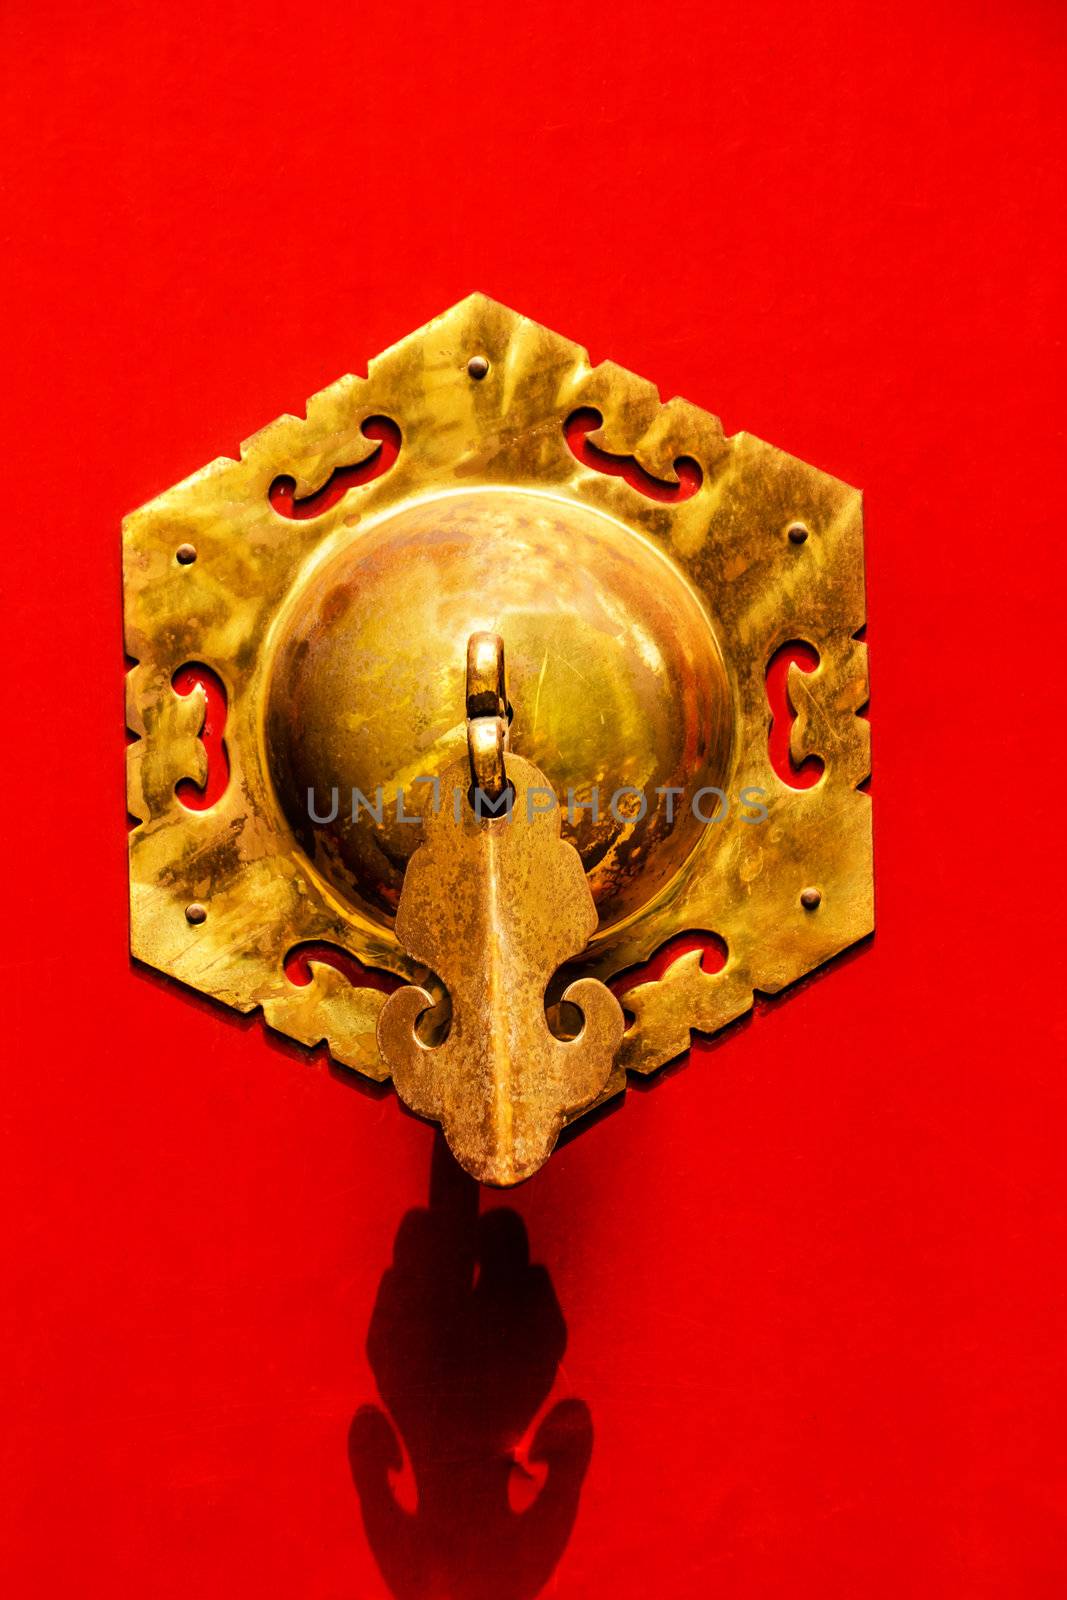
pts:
[349, 815]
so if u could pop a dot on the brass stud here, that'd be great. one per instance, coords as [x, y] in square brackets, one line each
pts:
[186, 554]
[797, 532]
[478, 368]
[811, 899]
[196, 913]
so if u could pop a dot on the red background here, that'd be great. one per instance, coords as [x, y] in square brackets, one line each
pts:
[814, 1278]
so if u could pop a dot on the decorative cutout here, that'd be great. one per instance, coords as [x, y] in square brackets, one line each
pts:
[202, 796]
[667, 1010]
[332, 998]
[282, 492]
[587, 420]
[298, 967]
[713, 957]
[797, 656]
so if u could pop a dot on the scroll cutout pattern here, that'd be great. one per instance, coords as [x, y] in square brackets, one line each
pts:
[791, 659]
[587, 420]
[288, 503]
[332, 998]
[299, 963]
[194, 795]
[711, 948]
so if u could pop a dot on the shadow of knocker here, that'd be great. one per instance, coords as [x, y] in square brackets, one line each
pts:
[465, 1341]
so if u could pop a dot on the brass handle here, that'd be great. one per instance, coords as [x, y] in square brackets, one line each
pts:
[487, 714]
[494, 905]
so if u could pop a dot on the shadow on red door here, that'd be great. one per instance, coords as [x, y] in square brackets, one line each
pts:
[465, 1341]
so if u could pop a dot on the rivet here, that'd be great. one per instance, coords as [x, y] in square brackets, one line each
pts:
[797, 532]
[477, 367]
[196, 913]
[186, 554]
[810, 899]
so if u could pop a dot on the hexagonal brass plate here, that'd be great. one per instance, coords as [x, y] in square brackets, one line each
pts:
[239, 859]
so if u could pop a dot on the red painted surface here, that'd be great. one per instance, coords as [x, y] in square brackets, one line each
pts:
[813, 1281]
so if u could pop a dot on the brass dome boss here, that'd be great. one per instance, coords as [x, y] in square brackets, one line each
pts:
[320, 631]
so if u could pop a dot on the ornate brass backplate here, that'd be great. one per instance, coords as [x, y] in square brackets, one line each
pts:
[642, 569]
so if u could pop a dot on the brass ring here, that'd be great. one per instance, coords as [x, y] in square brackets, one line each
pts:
[487, 739]
[487, 713]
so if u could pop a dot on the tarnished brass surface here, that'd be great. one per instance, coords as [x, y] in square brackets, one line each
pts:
[638, 631]
[613, 669]
[494, 907]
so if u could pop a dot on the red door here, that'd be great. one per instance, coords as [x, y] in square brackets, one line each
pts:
[790, 1320]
